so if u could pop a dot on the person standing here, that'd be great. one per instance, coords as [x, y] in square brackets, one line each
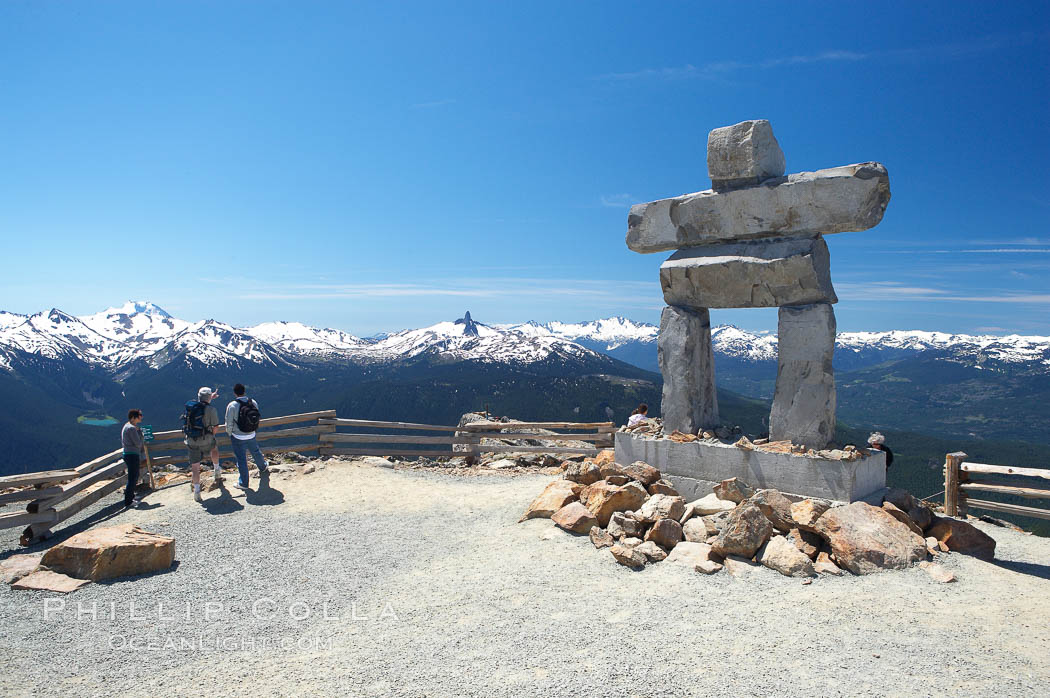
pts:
[242, 419]
[199, 425]
[133, 444]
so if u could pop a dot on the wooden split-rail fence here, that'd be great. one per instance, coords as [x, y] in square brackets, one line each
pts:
[56, 495]
[959, 483]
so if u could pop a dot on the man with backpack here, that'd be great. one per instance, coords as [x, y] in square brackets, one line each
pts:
[242, 419]
[199, 424]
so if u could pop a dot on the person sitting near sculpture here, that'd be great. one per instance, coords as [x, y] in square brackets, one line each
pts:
[878, 443]
[640, 414]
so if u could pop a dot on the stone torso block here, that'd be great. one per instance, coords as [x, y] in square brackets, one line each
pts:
[835, 200]
[753, 274]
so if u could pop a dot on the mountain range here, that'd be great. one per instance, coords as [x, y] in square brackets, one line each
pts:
[70, 373]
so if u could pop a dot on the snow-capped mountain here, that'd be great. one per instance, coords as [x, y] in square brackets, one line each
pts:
[124, 340]
[141, 334]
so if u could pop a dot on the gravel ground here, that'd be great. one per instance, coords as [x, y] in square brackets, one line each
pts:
[368, 581]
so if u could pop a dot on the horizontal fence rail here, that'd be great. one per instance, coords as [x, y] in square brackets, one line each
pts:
[56, 495]
[958, 483]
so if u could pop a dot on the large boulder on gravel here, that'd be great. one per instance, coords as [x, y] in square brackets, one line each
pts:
[624, 524]
[806, 513]
[690, 554]
[603, 457]
[711, 504]
[663, 487]
[733, 490]
[604, 499]
[744, 532]
[574, 517]
[612, 468]
[110, 552]
[628, 556]
[667, 533]
[776, 507]
[661, 506]
[781, 555]
[553, 497]
[584, 473]
[642, 472]
[962, 537]
[866, 539]
[902, 516]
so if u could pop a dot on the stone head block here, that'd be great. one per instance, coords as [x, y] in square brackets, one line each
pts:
[752, 274]
[742, 154]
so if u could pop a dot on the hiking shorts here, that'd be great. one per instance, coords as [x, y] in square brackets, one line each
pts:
[200, 448]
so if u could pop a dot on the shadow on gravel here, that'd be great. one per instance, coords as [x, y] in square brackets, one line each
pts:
[223, 504]
[264, 495]
[1034, 569]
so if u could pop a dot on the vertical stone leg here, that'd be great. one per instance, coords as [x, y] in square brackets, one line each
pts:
[804, 401]
[687, 363]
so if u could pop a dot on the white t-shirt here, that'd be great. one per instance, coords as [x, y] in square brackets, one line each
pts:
[635, 418]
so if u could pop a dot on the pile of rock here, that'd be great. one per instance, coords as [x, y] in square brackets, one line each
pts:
[640, 517]
[652, 427]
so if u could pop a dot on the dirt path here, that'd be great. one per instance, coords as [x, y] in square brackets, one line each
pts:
[365, 581]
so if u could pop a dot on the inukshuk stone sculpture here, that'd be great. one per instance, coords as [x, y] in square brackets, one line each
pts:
[754, 240]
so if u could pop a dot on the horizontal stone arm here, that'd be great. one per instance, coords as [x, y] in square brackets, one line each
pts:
[835, 200]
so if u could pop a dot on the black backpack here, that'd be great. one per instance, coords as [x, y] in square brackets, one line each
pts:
[193, 419]
[247, 416]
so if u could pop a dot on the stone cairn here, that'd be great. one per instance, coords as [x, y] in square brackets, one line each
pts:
[755, 240]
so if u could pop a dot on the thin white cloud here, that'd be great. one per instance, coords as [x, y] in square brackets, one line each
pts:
[618, 200]
[716, 69]
[887, 291]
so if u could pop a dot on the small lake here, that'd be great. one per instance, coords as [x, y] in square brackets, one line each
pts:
[97, 421]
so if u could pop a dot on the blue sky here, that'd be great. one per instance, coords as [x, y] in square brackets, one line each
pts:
[375, 166]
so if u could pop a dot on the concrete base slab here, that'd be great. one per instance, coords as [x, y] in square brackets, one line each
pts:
[695, 467]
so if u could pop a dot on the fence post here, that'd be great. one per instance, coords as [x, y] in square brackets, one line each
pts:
[951, 482]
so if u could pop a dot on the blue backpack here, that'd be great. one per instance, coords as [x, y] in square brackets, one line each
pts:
[193, 419]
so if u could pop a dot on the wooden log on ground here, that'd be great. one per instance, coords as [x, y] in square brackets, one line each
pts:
[90, 498]
[385, 425]
[78, 485]
[39, 478]
[1010, 508]
[1004, 470]
[1026, 492]
[387, 452]
[25, 518]
[22, 495]
[495, 426]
